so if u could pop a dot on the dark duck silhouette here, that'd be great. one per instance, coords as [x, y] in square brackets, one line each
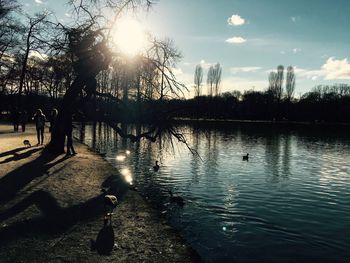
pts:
[156, 167]
[27, 143]
[245, 157]
[104, 242]
[176, 199]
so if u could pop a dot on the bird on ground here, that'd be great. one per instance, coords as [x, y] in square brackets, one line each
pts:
[27, 143]
[156, 167]
[110, 201]
[176, 199]
[245, 157]
[104, 242]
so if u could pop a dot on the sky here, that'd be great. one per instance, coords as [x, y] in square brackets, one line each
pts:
[249, 38]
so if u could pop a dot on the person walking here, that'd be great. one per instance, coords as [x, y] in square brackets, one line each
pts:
[15, 119]
[53, 118]
[24, 119]
[39, 119]
[68, 132]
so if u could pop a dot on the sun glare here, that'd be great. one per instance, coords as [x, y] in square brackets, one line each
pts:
[129, 36]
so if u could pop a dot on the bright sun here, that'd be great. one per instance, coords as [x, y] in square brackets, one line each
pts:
[129, 36]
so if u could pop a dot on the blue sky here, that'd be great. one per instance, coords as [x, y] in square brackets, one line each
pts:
[249, 38]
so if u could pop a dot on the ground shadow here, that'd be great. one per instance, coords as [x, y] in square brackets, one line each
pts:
[12, 151]
[20, 156]
[15, 180]
[55, 219]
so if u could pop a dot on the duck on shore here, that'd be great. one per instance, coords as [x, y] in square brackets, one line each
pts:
[27, 143]
[104, 242]
[110, 201]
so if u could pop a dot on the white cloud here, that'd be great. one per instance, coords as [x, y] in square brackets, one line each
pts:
[202, 62]
[39, 2]
[312, 74]
[177, 71]
[235, 70]
[295, 19]
[336, 69]
[235, 40]
[332, 69]
[296, 50]
[235, 20]
[67, 15]
[282, 52]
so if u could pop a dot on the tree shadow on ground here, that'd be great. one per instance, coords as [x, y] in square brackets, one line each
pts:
[55, 219]
[15, 180]
[20, 156]
[12, 151]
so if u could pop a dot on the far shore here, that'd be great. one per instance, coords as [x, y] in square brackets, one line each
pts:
[283, 122]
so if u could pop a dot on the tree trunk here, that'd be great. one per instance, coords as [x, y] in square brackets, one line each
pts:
[56, 144]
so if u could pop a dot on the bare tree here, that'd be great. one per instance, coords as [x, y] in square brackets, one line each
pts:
[31, 43]
[272, 82]
[290, 83]
[279, 82]
[211, 80]
[88, 45]
[198, 78]
[276, 83]
[10, 28]
[163, 55]
[217, 78]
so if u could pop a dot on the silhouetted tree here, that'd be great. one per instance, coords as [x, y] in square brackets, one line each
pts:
[272, 82]
[211, 80]
[290, 83]
[198, 78]
[217, 78]
[32, 42]
[279, 83]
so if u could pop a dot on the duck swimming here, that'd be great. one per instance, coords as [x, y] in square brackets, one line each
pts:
[156, 167]
[246, 157]
[176, 199]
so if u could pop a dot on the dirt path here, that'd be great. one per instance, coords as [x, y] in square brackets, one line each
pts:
[51, 206]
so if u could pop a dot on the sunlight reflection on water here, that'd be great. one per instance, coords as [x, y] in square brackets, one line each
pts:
[289, 202]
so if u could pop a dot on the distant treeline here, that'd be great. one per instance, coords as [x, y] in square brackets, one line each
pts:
[323, 103]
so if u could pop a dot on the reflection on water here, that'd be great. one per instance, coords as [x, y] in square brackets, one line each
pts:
[288, 203]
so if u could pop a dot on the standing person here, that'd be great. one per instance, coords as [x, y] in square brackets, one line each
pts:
[53, 118]
[39, 119]
[68, 132]
[15, 119]
[24, 119]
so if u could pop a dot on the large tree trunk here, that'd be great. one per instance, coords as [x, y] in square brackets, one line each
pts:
[56, 144]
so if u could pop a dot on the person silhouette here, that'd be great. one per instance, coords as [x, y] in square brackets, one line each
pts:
[53, 118]
[15, 119]
[24, 119]
[68, 133]
[39, 119]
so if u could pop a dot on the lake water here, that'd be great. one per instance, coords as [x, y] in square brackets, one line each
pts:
[289, 203]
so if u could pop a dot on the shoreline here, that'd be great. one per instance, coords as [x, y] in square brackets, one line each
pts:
[51, 206]
[278, 122]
